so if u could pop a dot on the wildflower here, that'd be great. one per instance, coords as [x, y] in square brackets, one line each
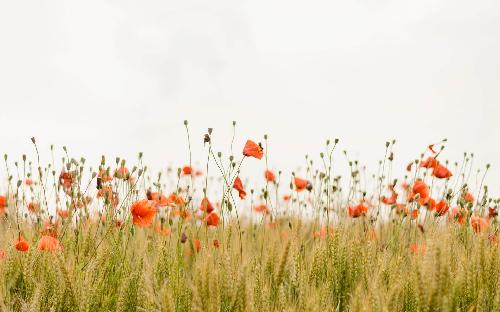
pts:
[206, 205]
[104, 176]
[63, 213]
[390, 200]
[323, 231]
[159, 199]
[3, 204]
[262, 208]
[33, 206]
[3, 255]
[357, 211]
[286, 197]
[163, 231]
[187, 170]
[177, 200]
[21, 244]
[212, 219]
[468, 197]
[216, 243]
[492, 213]
[269, 175]
[459, 215]
[143, 213]
[197, 245]
[28, 182]
[65, 179]
[253, 149]
[301, 184]
[429, 163]
[442, 207]
[417, 249]
[421, 188]
[479, 224]
[49, 243]
[441, 172]
[122, 173]
[238, 185]
[414, 214]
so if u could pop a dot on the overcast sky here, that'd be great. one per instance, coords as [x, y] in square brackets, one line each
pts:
[119, 77]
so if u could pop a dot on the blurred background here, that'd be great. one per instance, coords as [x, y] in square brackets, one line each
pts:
[119, 77]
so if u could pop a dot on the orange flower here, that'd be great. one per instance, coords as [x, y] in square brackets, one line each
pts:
[63, 213]
[390, 200]
[458, 214]
[212, 219]
[206, 206]
[414, 214]
[322, 232]
[163, 231]
[2, 254]
[479, 224]
[238, 185]
[197, 245]
[66, 179]
[159, 199]
[431, 148]
[401, 209]
[21, 244]
[143, 213]
[49, 243]
[33, 207]
[186, 170]
[3, 204]
[270, 177]
[357, 211]
[104, 176]
[122, 173]
[441, 172]
[408, 167]
[253, 149]
[468, 197]
[28, 182]
[286, 197]
[216, 243]
[492, 213]
[430, 163]
[417, 249]
[421, 188]
[176, 199]
[301, 184]
[442, 207]
[262, 208]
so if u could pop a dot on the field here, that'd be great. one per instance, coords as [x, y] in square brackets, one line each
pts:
[117, 237]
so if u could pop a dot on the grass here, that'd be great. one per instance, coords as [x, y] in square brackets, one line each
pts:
[272, 260]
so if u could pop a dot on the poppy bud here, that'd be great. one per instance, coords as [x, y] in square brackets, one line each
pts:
[206, 139]
[183, 237]
[33, 140]
[210, 130]
[185, 122]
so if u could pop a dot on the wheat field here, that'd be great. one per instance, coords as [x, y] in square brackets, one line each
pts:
[117, 237]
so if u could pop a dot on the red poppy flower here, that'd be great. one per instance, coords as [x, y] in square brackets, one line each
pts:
[238, 185]
[49, 243]
[21, 244]
[186, 170]
[441, 172]
[104, 176]
[252, 149]
[212, 219]
[216, 243]
[197, 245]
[143, 213]
[390, 200]
[421, 188]
[3, 204]
[206, 205]
[301, 184]
[479, 224]
[357, 211]
[270, 177]
[430, 163]
[63, 213]
[33, 207]
[468, 197]
[122, 173]
[262, 208]
[417, 249]
[442, 207]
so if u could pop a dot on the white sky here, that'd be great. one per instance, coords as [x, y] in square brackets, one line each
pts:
[119, 77]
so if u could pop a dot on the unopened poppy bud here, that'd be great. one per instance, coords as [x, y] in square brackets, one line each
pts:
[140, 155]
[183, 237]
[321, 155]
[219, 154]
[185, 122]
[234, 123]
[206, 139]
[327, 142]
[265, 136]
[488, 166]
[336, 141]
[387, 144]
[5, 156]
[64, 149]
[33, 140]
[210, 130]
[19, 182]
